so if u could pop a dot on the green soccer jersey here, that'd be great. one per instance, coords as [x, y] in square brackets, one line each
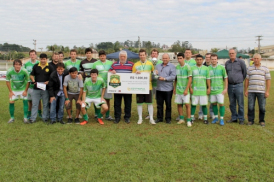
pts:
[28, 66]
[93, 90]
[182, 74]
[69, 64]
[18, 80]
[217, 76]
[199, 77]
[154, 82]
[103, 69]
[191, 62]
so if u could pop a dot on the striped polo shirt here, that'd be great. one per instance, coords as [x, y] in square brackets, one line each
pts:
[257, 78]
[122, 68]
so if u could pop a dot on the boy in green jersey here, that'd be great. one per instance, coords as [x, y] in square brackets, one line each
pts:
[73, 62]
[181, 87]
[200, 87]
[94, 90]
[218, 77]
[188, 59]
[17, 80]
[103, 65]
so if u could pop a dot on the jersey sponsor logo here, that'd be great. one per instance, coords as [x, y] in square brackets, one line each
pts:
[47, 70]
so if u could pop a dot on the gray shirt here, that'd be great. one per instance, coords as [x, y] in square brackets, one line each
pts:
[236, 71]
[169, 73]
[73, 85]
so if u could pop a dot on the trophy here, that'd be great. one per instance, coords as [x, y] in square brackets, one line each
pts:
[154, 62]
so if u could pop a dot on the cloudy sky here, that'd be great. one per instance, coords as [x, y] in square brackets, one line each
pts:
[205, 24]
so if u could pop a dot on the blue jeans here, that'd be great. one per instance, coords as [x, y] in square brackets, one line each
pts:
[251, 106]
[61, 101]
[236, 95]
[36, 95]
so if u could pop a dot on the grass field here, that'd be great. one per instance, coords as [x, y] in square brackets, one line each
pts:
[131, 152]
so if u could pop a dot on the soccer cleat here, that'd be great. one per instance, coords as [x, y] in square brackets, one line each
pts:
[140, 121]
[147, 117]
[178, 118]
[181, 121]
[109, 118]
[26, 121]
[205, 121]
[69, 121]
[189, 124]
[152, 121]
[11, 120]
[200, 117]
[215, 120]
[222, 123]
[100, 121]
[83, 123]
[76, 121]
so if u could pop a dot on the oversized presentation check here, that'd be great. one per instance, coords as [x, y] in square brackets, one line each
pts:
[128, 83]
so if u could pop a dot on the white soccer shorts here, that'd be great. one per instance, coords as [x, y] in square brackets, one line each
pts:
[202, 100]
[182, 99]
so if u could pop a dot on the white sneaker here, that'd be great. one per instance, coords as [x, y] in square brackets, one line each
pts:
[200, 117]
[26, 121]
[79, 116]
[178, 118]
[11, 120]
[152, 121]
[140, 121]
[181, 121]
[147, 117]
[189, 124]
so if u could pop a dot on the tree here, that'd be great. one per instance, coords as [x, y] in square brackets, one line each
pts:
[105, 45]
[214, 50]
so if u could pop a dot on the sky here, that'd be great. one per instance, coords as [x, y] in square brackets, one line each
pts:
[205, 24]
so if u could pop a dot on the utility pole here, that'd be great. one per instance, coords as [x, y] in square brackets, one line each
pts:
[259, 44]
[41, 49]
[139, 42]
[34, 43]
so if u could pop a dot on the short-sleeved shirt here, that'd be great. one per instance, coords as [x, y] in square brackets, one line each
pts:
[103, 69]
[69, 64]
[94, 90]
[191, 62]
[257, 78]
[18, 80]
[217, 76]
[182, 75]
[199, 77]
[41, 74]
[122, 68]
[86, 66]
[154, 82]
[28, 66]
[147, 67]
[73, 85]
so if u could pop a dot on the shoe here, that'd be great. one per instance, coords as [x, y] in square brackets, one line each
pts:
[178, 118]
[262, 124]
[109, 118]
[241, 122]
[80, 116]
[250, 123]
[140, 121]
[76, 121]
[26, 121]
[11, 120]
[127, 120]
[232, 121]
[67, 116]
[52, 122]
[45, 121]
[84, 122]
[205, 121]
[152, 121]
[95, 116]
[147, 117]
[69, 121]
[215, 120]
[189, 124]
[30, 121]
[200, 117]
[168, 122]
[116, 121]
[100, 121]
[192, 121]
[181, 121]
[61, 122]
[158, 121]
[222, 123]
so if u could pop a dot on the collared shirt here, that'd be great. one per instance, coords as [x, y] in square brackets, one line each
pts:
[41, 74]
[122, 68]
[169, 73]
[236, 71]
[60, 93]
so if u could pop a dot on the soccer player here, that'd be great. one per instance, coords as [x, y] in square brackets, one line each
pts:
[61, 57]
[218, 84]
[87, 64]
[73, 62]
[17, 80]
[144, 66]
[94, 90]
[200, 87]
[103, 65]
[181, 88]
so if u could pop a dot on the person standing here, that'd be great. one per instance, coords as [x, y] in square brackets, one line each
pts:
[236, 71]
[73, 62]
[122, 66]
[61, 57]
[257, 85]
[55, 60]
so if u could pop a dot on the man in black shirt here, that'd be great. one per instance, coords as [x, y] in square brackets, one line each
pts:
[55, 60]
[86, 64]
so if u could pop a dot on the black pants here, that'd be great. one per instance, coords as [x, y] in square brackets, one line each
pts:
[118, 103]
[164, 96]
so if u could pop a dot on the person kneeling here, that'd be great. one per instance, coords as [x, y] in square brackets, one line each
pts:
[94, 90]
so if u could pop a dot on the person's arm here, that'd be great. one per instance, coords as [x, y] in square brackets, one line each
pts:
[208, 86]
[244, 71]
[225, 86]
[51, 89]
[172, 75]
[267, 88]
[175, 83]
[246, 86]
[66, 95]
[102, 95]
[80, 95]
[10, 91]
[188, 85]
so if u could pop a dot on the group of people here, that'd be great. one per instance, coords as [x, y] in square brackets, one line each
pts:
[193, 82]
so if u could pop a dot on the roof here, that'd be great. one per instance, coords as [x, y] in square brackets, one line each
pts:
[223, 54]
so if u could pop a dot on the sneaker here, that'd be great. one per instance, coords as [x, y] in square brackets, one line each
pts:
[189, 124]
[152, 121]
[250, 123]
[181, 121]
[262, 124]
[100, 121]
[84, 122]
[109, 118]
[80, 116]
[140, 121]
[205, 121]
[52, 122]
[147, 117]
[61, 122]
[95, 116]
[215, 120]
[200, 117]
[192, 121]
[76, 121]
[11, 120]
[178, 118]
[69, 121]
[222, 123]
[26, 121]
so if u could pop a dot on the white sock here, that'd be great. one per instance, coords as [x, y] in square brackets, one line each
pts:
[140, 110]
[150, 111]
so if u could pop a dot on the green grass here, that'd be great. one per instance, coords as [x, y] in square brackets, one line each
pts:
[131, 152]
